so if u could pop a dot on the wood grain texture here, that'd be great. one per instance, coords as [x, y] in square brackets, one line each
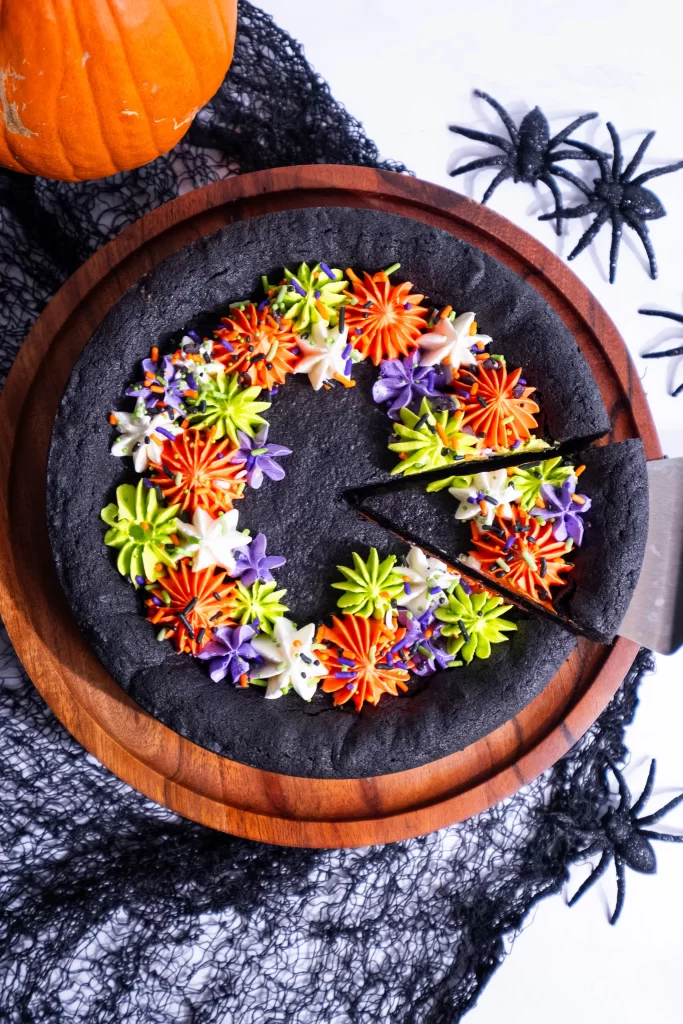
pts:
[167, 768]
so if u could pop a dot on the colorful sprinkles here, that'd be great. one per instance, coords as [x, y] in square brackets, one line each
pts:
[199, 441]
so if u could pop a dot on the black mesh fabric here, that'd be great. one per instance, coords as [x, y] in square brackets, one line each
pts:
[113, 909]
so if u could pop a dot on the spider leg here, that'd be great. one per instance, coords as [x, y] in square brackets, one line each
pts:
[477, 136]
[617, 230]
[637, 156]
[589, 235]
[502, 114]
[597, 871]
[657, 172]
[624, 791]
[474, 165]
[568, 176]
[618, 157]
[661, 836]
[584, 210]
[566, 132]
[678, 317]
[547, 179]
[621, 889]
[499, 178]
[647, 791]
[652, 819]
[644, 236]
[678, 351]
[567, 154]
[594, 154]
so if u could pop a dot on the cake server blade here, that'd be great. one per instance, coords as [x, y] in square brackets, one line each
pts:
[655, 615]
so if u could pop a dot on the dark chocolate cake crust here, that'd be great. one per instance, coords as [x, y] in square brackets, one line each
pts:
[339, 440]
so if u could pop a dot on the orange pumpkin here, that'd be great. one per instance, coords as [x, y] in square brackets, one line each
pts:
[91, 87]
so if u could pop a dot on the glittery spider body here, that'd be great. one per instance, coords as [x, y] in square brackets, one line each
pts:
[530, 155]
[619, 198]
[622, 836]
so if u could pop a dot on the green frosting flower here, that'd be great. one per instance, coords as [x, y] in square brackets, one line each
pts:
[227, 407]
[448, 481]
[141, 529]
[371, 587]
[473, 623]
[259, 601]
[316, 298]
[421, 439]
[530, 479]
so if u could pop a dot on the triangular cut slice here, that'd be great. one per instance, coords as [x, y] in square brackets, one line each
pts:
[605, 567]
[485, 464]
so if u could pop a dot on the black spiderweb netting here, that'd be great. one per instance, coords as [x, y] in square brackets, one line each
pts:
[114, 910]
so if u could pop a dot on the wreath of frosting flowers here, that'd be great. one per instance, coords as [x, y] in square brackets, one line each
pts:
[198, 438]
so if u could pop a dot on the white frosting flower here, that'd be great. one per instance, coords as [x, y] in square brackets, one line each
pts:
[451, 341]
[323, 357]
[213, 541]
[291, 659]
[423, 575]
[139, 436]
[493, 485]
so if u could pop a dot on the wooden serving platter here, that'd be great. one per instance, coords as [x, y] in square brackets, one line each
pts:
[161, 764]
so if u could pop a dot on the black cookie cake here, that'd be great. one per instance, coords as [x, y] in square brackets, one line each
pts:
[226, 474]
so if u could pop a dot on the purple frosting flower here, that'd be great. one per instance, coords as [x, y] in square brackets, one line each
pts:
[253, 564]
[404, 382]
[427, 654]
[564, 510]
[259, 457]
[230, 652]
[173, 381]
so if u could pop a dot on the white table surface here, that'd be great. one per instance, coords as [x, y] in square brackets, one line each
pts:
[406, 70]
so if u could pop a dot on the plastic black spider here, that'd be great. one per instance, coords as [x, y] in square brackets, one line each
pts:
[621, 837]
[678, 351]
[618, 197]
[529, 156]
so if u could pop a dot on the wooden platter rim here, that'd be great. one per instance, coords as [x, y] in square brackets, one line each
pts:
[71, 695]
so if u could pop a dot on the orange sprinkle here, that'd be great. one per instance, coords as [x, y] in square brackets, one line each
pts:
[244, 680]
[190, 394]
[154, 354]
[483, 507]
[157, 389]
[540, 502]
[445, 311]
[579, 470]
[113, 420]
[344, 380]
[578, 499]
[473, 327]
[443, 436]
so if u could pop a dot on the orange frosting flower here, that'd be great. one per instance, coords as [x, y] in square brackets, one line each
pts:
[498, 407]
[196, 472]
[353, 663]
[388, 319]
[211, 597]
[259, 347]
[535, 560]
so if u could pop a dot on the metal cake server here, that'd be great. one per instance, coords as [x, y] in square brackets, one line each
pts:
[655, 614]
